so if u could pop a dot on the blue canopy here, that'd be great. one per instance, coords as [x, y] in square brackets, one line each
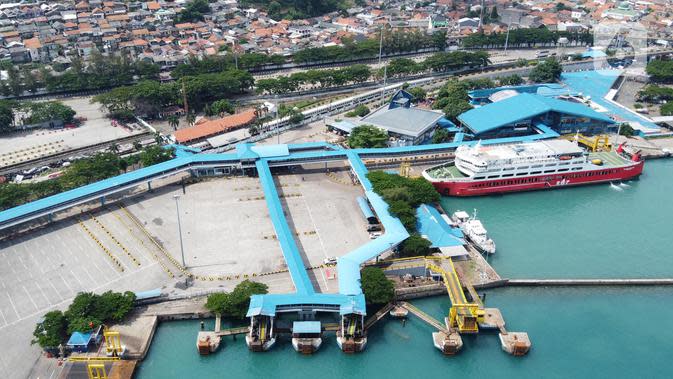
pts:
[79, 339]
[306, 327]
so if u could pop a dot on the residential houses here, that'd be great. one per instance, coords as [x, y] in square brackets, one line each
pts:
[46, 32]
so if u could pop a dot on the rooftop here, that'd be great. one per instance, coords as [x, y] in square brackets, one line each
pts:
[432, 226]
[212, 127]
[407, 121]
[522, 107]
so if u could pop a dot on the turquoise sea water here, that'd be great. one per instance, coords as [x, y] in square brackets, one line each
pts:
[595, 231]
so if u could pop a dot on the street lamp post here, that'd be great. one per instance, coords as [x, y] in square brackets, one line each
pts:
[177, 211]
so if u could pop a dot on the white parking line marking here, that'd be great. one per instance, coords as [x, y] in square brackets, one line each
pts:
[37, 284]
[70, 299]
[3, 317]
[55, 290]
[66, 283]
[13, 306]
[29, 297]
[78, 281]
[322, 245]
[90, 277]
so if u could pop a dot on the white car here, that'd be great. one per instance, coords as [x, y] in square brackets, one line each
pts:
[330, 261]
[375, 235]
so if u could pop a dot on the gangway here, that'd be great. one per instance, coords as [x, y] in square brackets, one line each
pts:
[424, 316]
[378, 315]
[463, 314]
[599, 142]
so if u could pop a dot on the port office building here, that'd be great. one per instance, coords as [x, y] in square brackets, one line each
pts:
[529, 113]
[406, 125]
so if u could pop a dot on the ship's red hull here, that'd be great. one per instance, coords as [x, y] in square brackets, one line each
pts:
[538, 182]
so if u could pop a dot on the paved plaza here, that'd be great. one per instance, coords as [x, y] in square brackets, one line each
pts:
[134, 245]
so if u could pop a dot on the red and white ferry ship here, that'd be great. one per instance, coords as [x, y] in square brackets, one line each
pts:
[483, 170]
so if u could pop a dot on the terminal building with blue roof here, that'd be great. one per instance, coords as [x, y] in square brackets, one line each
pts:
[528, 114]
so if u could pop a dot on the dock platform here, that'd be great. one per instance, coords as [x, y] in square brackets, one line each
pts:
[515, 343]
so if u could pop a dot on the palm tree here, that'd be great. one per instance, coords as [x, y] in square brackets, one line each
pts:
[173, 121]
[191, 118]
[114, 148]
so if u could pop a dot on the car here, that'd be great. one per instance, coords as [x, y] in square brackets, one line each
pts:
[375, 235]
[373, 228]
[330, 261]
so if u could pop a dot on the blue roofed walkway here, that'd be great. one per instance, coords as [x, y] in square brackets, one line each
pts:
[293, 259]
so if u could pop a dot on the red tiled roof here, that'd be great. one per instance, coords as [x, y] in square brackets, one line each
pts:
[213, 127]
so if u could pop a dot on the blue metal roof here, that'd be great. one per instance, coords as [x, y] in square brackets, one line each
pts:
[269, 305]
[136, 176]
[431, 225]
[148, 294]
[522, 107]
[266, 151]
[597, 84]
[79, 339]
[293, 259]
[364, 207]
[593, 53]
[544, 89]
[244, 151]
[306, 327]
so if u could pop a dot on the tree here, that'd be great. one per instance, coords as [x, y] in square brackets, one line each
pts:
[375, 286]
[147, 70]
[239, 298]
[494, 16]
[29, 82]
[441, 135]
[220, 107]
[415, 246]
[453, 110]
[173, 121]
[359, 111]
[6, 115]
[418, 93]
[48, 111]
[367, 136]
[217, 302]
[190, 118]
[548, 71]
[512, 80]
[156, 154]
[659, 70]
[14, 81]
[402, 210]
[452, 93]
[51, 332]
[194, 11]
[667, 109]
[626, 130]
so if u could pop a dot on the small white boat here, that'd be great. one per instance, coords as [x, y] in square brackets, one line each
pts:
[399, 312]
[475, 232]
